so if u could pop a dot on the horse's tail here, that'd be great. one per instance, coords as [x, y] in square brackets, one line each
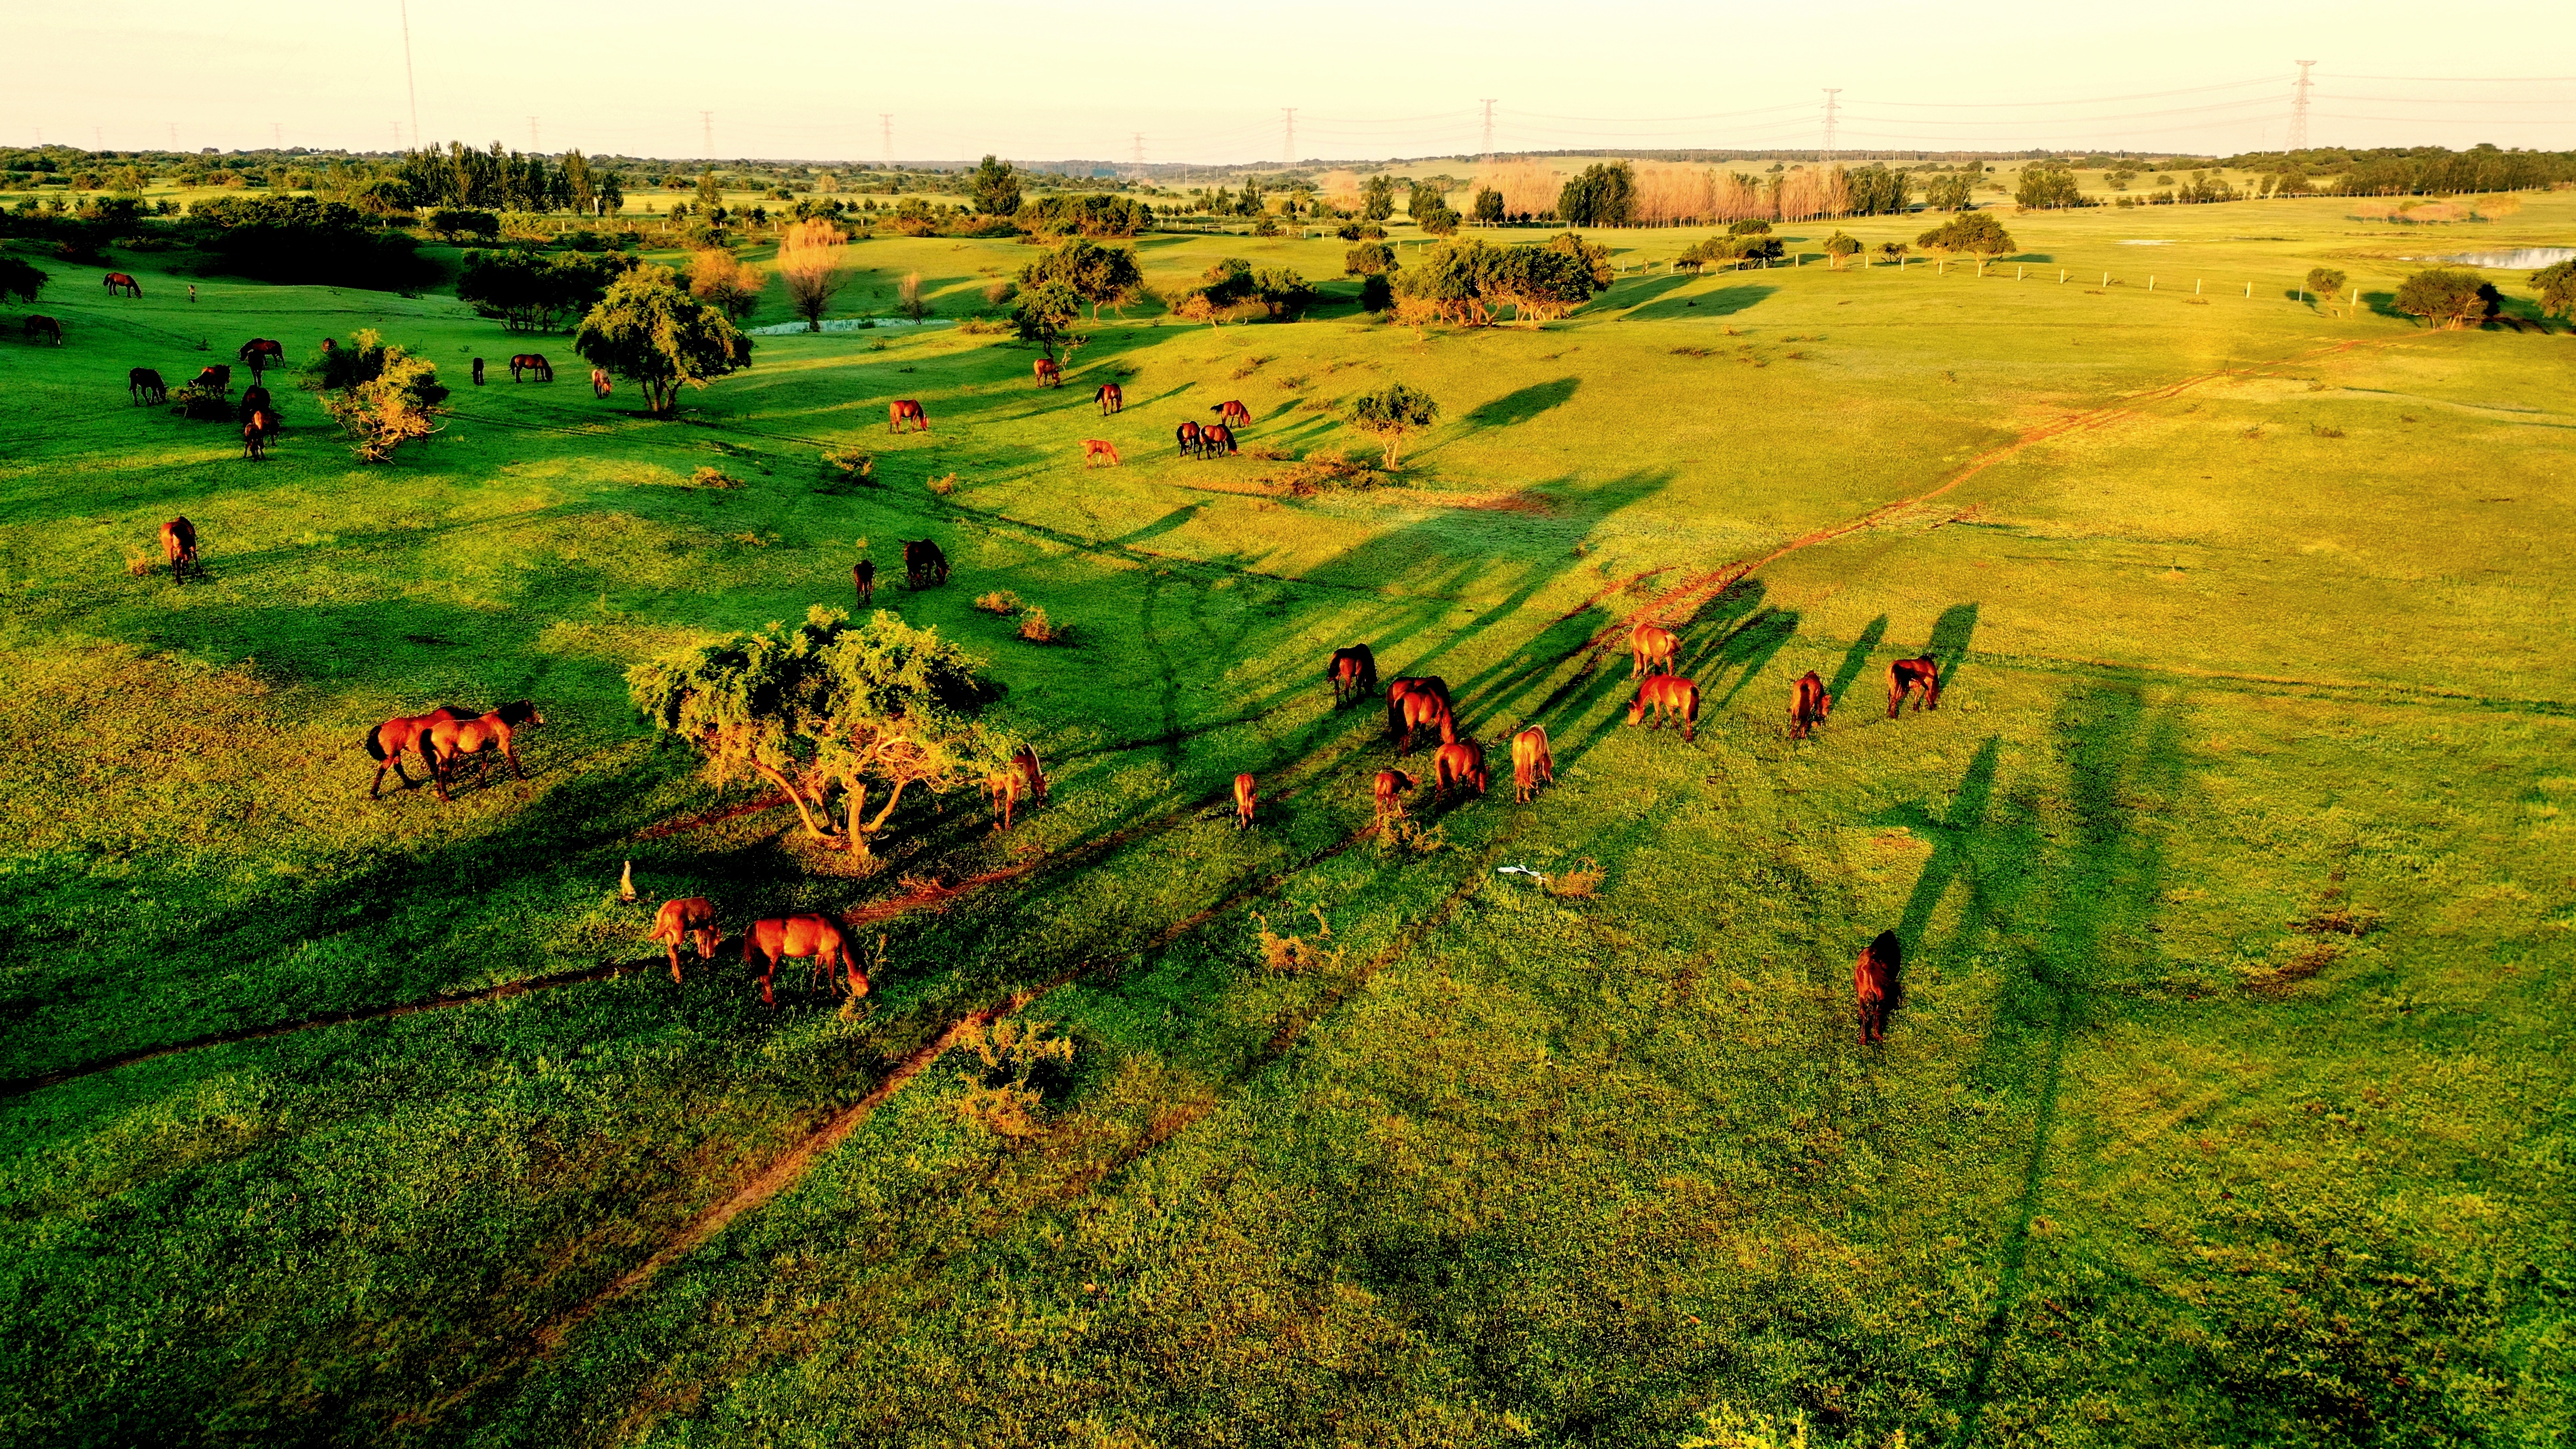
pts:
[376, 743]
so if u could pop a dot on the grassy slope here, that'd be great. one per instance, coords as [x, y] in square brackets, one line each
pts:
[2142, 1162]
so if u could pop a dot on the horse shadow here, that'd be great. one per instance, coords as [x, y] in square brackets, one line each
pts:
[1725, 301]
[1525, 404]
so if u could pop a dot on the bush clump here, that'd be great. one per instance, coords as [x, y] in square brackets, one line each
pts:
[1000, 601]
[1037, 628]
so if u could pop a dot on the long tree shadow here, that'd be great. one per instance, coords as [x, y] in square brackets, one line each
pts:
[1524, 404]
[1952, 634]
[1724, 302]
[1856, 658]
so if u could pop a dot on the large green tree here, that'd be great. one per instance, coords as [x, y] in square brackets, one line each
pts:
[2556, 284]
[1977, 233]
[648, 329]
[995, 187]
[1391, 412]
[2047, 187]
[19, 279]
[2448, 297]
[1101, 276]
[1604, 195]
[1045, 314]
[1377, 197]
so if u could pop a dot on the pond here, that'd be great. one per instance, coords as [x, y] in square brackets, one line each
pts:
[2514, 259]
[842, 324]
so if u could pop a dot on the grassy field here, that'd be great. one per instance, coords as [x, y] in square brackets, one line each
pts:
[2229, 1102]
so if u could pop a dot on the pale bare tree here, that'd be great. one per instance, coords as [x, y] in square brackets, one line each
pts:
[726, 282]
[814, 258]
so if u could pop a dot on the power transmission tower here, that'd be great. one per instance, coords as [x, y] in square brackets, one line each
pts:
[885, 133]
[1488, 103]
[1288, 144]
[1833, 108]
[276, 136]
[532, 133]
[2299, 109]
[1139, 155]
[409, 84]
[707, 135]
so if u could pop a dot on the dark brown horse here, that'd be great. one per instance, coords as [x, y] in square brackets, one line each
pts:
[1878, 982]
[256, 431]
[1405, 688]
[863, 578]
[924, 566]
[1668, 696]
[144, 385]
[692, 920]
[1808, 706]
[1246, 797]
[1049, 375]
[259, 352]
[179, 546]
[387, 741]
[1532, 762]
[254, 399]
[447, 741]
[1233, 411]
[1459, 763]
[1353, 673]
[1111, 400]
[1216, 441]
[1391, 788]
[531, 362]
[478, 372]
[38, 326]
[795, 938]
[215, 375]
[1652, 646]
[119, 282]
[905, 410]
[1911, 676]
[1188, 436]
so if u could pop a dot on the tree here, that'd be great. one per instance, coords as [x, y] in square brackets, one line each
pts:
[453, 224]
[1101, 276]
[386, 397]
[1488, 207]
[1045, 314]
[1975, 232]
[533, 292]
[20, 280]
[1950, 193]
[995, 188]
[1368, 259]
[2047, 186]
[1439, 221]
[648, 330]
[710, 194]
[1604, 195]
[1424, 199]
[1227, 285]
[2557, 285]
[2325, 282]
[1876, 190]
[2448, 297]
[725, 282]
[1391, 412]
[1593, 255]
[830, 706]
[1284, 292]
[1377, 197]
[1839, 246]
[813, 257]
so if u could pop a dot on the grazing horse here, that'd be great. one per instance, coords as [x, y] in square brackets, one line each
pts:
[259, 352]
[1020, 777]
[798, 937]
[600, 386]
[1049, 375]
[256, 430]
[1188, 436]
[1109, 397]
[179, 546]
[1353, 673]
[478, 372]
[1233, 411]
[905, 410]
[1459, 763]
[863, 578]
[922, 561]
[1094, 450]
[447, 741]
[1423, 708]
[1216, 440]
[387, 741]
[1652, 645]
[1909, 676]
[692, 920]
[1667, 696]
[1878, 985]
[254, 399]
[1245, 797]
[216, 375]
[1392, 786]
[120, 282]
[1404, 688]
[534, 362]
[1808, 706]
[44, 326]
[145, 385]
[1532, 762]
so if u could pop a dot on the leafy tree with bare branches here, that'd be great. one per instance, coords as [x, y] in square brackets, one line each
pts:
[814, 259]
[1391, 412]
[726, 282]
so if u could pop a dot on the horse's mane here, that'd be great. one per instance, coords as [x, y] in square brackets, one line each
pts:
[517, 712]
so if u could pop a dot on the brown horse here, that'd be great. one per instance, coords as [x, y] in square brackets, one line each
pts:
[1190, 439]
[863, 578]
[1667, 696]
[1110, 398]
[1532, 762]
[259, 352]
[256, 430]
[144, 385]
[1245, 797]
[692, 920]
[179, 546]
[44, 327]
[1653, 647]
[1233, 411]
[1909, 676]
[254, 399]
[119, 282]
[1049, 375]
[600, 386]
[533, 362]
[1422, 708]
[217, 375]
[1020, 777]
[1216, 440]
[1392, 786]
[1808, 706]
[1459, 763]
[924, 566]
[1878, 983]
[447, 741]
[478, 372]
[1095, 450]
[905, 410]
[1406, 687]
[386, 742]
[1353, 673]
[797, 937]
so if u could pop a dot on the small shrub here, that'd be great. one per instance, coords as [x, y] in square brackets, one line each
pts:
[713, 478]
[981, 327]
[1293, 955]
[1036, 628]
[850, 464]
[1000, 601]
[1579, 884]
[1000, 293]
[1404, 837]
[1246, 368]
[1016, 1063]
[1324, 470]
[944, 486]
[2322, 431]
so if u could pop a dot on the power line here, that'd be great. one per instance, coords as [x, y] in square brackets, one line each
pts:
[2299, 109]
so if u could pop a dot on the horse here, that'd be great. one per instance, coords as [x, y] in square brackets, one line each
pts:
[799, 937]
[1353, 673]
[119, 281]
[1909, 676]
[447, 741]
[1391, 787]
[600, 386]
[1652, 645]
[1187, 435]
[863, 578]
[256, 430]
[1110, 398]
[1403, 688]
[1094, 449]
[144, 385]
[217, 375]
[692, 920]
[1020, 777]
[1877, 983]
[905, 410]
[1461, 763]
[1049, 375]
[1808, 706]
[1217, 439]
[1532, 762]
[259, 352]
[478, 372]
[1424, 708]
[923, 560]
[1667, 696]
[531, 362]
[1233, 411]
[254, 399]
[386, 742]
[46, 326]
[179, 546]
[1245, 797]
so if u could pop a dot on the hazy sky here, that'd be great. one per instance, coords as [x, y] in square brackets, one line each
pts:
[797, 78]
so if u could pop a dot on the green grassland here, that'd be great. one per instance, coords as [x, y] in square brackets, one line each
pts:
[2229, 1102]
